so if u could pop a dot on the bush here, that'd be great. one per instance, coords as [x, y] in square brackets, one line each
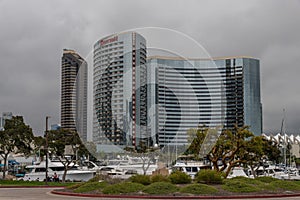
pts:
[142, 179]
[262, 185]
[77, 185]
[123, 188]
[199, 189]
[285, 185]
[178, 177]
[160, 188]
[239, 186]
[99, 177]
[209, 177]
[266, 179]
[90, 186]
[159, 178]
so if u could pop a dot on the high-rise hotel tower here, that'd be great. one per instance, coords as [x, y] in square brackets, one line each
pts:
[119, 95]
[157, 101]
[187, 93]
[74, 93]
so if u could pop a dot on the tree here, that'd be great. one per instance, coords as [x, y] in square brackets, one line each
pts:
[253, 153]
[57, 142]
[271, 150]
[16, 138]
[234, 147]
[196, 138]
[230, 148]
[148, 155]
[39, 143]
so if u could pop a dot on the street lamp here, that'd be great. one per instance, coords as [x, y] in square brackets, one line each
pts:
[46, 148]
[76, 155]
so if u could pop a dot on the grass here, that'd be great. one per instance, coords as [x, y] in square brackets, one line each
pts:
[209, 177]
[32, 183]
[286, 185]
[161, 185]
[91, 186]
[199, 189]
[161, 188]
[142, 179]
[238, 186]
[247, 185]
[266, 179]
[123, 188]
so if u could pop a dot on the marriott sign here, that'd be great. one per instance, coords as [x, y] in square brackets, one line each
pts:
[106, 41]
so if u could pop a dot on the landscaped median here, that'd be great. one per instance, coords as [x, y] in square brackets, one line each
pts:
[15, 183]
[179, 186]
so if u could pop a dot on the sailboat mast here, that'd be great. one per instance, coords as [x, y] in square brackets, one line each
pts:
[282, 132]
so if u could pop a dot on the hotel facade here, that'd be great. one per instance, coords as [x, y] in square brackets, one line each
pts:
[156, 101]
[119, 104]
[188, 93]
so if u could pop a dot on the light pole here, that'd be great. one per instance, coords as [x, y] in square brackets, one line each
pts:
[76, 152]
[46, 148]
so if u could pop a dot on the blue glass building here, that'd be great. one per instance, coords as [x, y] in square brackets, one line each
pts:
[187, 93]
[156, 101]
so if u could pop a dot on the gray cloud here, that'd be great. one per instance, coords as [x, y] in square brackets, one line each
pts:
[33, 34]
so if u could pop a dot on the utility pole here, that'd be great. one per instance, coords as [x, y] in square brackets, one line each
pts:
[46, 148]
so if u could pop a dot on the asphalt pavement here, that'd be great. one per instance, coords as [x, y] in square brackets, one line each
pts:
[45, 194]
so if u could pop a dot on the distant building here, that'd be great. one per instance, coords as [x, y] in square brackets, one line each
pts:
[55, 127]
[74, 93]
[5, 115]
[291, 142]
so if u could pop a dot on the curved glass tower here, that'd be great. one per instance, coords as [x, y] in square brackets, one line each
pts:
[198, 92]
[139, 102]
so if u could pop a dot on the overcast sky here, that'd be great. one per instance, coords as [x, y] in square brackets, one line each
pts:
[33, 34]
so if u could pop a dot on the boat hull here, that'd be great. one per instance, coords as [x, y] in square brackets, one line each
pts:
[72, 175]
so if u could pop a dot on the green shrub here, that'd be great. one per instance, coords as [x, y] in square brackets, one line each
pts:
[159, 178]
[77, 185]
[262, 185]
[123, 188]
[241, 178]
[178, 177]
[209, 177]
[266, 179]
[199, 189]
[99, 177]
[142, 179]
[240, 186]
[90, 186]
[160, 188]
[285, 185]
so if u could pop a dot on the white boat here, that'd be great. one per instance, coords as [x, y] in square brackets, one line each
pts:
[37, 172]
[130, 164]
[237, 172]
[117, 173]
[276, 172]
[190, 167]
[288, 174]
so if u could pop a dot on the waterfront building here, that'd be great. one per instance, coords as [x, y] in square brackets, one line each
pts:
[156, 101]
[188, 93]
[74, 93]
[119, 99]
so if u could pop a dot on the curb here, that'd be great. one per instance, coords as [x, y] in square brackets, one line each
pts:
[175, 197]
[38, 186]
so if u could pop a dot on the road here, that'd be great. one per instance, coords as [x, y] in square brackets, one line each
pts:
[44, 194]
